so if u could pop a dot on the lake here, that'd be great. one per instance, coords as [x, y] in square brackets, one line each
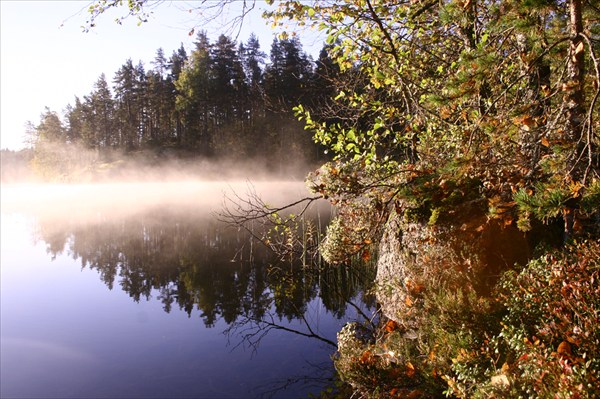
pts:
[138, 290]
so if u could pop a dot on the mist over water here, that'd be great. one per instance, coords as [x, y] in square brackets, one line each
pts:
[129, 183]
[117, 199]
[132, 287]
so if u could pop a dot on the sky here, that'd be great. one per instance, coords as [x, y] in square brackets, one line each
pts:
[46, 59]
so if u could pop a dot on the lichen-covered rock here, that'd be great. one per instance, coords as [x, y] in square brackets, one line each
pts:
[400, 248]
[467, 256]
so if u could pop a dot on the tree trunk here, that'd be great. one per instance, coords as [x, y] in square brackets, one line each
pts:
[575, 111]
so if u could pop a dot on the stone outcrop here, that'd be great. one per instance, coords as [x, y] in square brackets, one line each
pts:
[414, 257]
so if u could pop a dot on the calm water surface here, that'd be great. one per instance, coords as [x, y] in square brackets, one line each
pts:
[136, 290]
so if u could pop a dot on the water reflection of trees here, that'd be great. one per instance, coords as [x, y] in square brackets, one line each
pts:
[190, 261]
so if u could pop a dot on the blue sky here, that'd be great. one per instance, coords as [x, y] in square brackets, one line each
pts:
[46, 59]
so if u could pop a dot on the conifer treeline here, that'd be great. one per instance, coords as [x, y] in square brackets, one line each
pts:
[221, 100]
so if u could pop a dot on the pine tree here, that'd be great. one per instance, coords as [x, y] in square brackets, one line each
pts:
[176, 64]
[98, 111]
[227, 82]
[127, 106]
[287, 82]
[193, 101]
[253, 60]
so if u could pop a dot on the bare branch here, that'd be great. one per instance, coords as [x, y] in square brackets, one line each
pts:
[208, 11]
[590, 115]
[280, 234]
[252, 330]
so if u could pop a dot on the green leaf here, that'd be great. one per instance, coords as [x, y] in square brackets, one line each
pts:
[351, 135]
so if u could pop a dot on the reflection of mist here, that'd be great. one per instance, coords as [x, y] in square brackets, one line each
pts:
[161, 240]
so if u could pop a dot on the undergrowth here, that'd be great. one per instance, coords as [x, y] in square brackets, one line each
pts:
[537, 335]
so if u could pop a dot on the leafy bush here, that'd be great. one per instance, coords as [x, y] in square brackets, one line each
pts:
[374, 369]
[536, 336]
[552, 329]
[439, 321]
[549, 345]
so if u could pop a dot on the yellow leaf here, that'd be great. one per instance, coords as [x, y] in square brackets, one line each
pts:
[410, 369]
[570, 85]
[367, 357]
[576, 188]
[564, 348]
[526, 122]
[546, 90]
[431, 356]
[391, 326]
[366, 255]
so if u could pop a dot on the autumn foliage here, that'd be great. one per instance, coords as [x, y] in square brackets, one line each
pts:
[474, 123]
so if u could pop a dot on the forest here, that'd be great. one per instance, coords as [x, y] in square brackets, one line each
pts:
[463, 137]
[224, 100]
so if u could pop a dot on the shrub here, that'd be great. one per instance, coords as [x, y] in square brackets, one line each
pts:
[549, 344]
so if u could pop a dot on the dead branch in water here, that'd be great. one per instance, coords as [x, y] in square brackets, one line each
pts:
[285, 236]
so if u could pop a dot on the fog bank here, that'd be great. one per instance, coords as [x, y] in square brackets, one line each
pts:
[117, 199]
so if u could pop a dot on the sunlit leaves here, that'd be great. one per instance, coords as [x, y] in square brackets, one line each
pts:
[136, 8]
[551, 325]
[465, 100]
